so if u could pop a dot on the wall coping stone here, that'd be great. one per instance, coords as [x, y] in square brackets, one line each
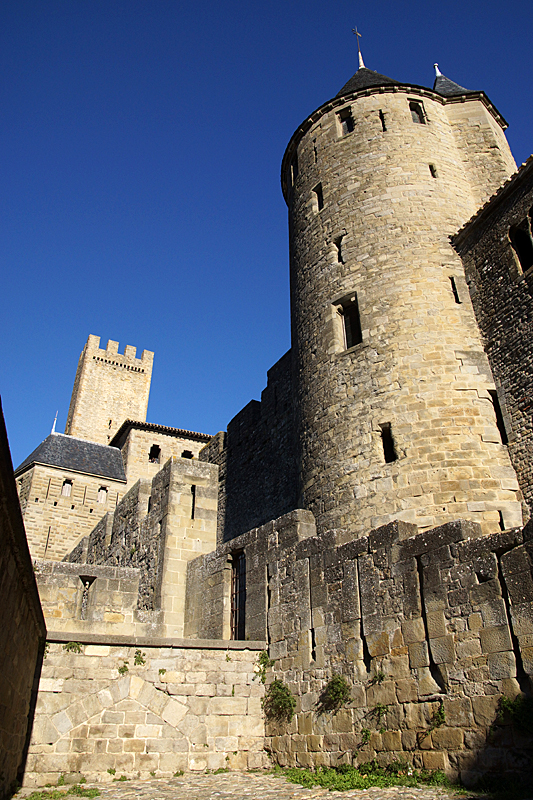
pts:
[156, 641]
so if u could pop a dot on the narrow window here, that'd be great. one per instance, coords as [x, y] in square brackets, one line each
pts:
[187, 454]
[110, 423]
[315, 151]
[349, 310]
[382, 120]
[520, 237]
[502, 523]
[389, 450]
[102, 494]
[318, 198]
[346, 122]
[454, 290]
[500, 422]
[66, 489]
[155, 454]
[193, 501]
[433, 170]
[338, 245]
[238, 596]
[294, 168]
[417, 112]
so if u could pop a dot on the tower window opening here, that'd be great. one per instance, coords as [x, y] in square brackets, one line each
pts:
[318, 197]
[502, 523]
[238, 596]
[193, 501]
[346, 121]
[66, 489]
[338, 245]
[389, 449]
[520, 237]
[102, 494]
[454, 290]
[500, 422]
[110, 423]
[417, 112]
[349, 309]
[294, 168]
[154, 455]
[187, 454]
[382, 120]
[315, 151]
[432, 170]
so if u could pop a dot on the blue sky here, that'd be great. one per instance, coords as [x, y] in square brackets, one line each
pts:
[141, 145]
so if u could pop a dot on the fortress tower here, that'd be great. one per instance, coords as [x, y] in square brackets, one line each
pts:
[109, 388]
[396, 410]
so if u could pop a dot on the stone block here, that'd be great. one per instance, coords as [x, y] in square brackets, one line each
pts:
[227, 705]
[435, 760]
[381, 693]
[485, 709]
[436, 623]
[392, 740]
[442, 650]
[173, 712]
[378, 643]
[448, 738]
[502, 665]
[495, 639]
[406, 691]
[458, 712]
[413, 630]
[418, 654]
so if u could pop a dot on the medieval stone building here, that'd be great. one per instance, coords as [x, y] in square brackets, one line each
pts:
[364, 519]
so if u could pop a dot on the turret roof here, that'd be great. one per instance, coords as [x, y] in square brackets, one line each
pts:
[78, 455]
[448, 88]
[363, 79]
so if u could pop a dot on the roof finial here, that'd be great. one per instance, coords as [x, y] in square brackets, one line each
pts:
[438, 73]
[55, 420]
[358, 36]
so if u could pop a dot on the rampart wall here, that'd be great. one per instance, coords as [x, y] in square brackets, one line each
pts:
[257, 460]
[429, 630]
[501, 294]
[23, 631]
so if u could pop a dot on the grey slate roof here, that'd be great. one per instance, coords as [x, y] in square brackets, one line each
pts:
[78, 455]
[363, 79]
[448, 88]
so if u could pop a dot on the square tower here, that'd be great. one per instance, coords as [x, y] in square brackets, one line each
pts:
[109, 388]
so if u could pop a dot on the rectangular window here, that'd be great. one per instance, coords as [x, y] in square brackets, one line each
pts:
[417, 112]
[349, 310]
[500, 422]
[102, 494]
[346, 121]
[193, 501]
[66, 489]
[389, 449]
[238, 596]
[522, 242]
[318, 203]
[454, 290]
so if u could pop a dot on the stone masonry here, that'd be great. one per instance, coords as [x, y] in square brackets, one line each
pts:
[371, 211]
[417, 623]
[501, 293]
[109, 387]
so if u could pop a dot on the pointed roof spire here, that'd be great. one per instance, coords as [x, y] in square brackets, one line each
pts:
[358, 36]
[445, 87]
[55, 420]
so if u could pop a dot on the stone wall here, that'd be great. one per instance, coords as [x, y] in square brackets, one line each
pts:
[258, 477]
[138, 708]
[109, 387]
[23, 631]
[502, 297]
[156, 529]
[413, 621]
[55, 523]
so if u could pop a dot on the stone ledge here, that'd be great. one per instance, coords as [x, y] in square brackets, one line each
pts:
[156, 641]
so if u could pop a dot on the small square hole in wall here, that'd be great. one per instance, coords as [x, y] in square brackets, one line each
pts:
[433, 170]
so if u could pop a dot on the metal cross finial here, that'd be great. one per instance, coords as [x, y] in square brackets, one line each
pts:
[358, 36]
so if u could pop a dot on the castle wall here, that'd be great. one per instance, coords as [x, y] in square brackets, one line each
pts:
[22, 633]
[429, 630]
[258, 476]
[502, 297]
[138, 444]
[156, 529]
[109, 387]
[55, 523]
[419, 371]
[102, 713]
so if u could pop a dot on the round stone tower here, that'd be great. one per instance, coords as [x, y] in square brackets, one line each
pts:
[395, 400]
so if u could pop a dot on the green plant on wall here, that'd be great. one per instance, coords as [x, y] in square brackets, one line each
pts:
[72, 647]
[335, 695]
[279, 702]
[519, 712]
[139, 658]
[262, 664]
[124, 668]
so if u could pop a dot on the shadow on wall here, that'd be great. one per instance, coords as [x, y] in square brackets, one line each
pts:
[22, 630]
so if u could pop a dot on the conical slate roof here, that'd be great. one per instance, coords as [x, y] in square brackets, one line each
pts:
[448, 88]
[79, 455]
[363, 79]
